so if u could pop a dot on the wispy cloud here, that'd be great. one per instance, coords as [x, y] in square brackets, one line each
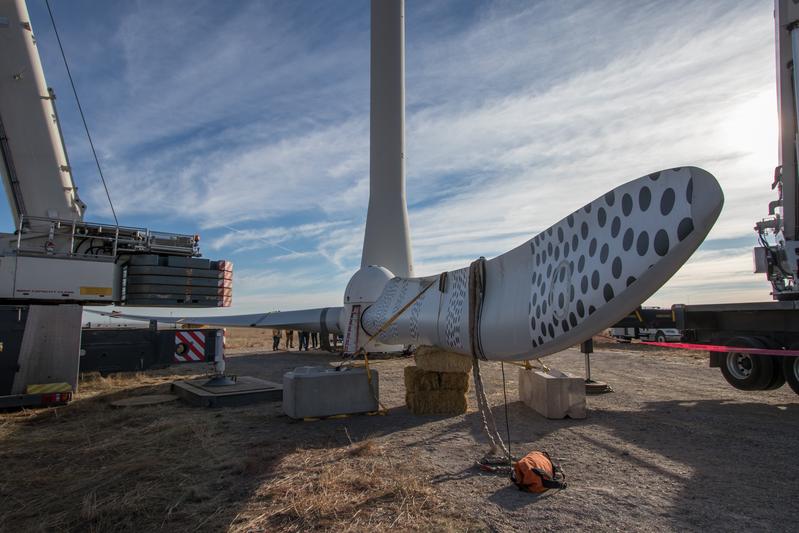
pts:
[256, 118]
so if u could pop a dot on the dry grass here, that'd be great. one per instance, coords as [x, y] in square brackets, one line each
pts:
[238, 338]
[90, 467]
[355, 488]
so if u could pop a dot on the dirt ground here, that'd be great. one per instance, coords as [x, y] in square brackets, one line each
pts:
[673, 448]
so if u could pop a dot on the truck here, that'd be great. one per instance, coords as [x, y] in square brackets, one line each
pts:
[648, 324]
[756, 345]
[55, 261]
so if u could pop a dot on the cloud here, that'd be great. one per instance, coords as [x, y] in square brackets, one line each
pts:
[518, 113]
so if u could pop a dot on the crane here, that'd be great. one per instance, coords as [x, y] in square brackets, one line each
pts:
[55, 261]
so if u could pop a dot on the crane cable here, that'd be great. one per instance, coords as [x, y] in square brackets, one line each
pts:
[82, 116]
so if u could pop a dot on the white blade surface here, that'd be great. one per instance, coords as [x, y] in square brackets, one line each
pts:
[569, 282]
[324, 318]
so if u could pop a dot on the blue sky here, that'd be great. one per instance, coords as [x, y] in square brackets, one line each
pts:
[248, 122]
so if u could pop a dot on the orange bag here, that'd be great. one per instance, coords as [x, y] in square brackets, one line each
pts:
[535, 472]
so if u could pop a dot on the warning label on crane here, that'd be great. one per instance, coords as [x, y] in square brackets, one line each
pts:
[189, 347]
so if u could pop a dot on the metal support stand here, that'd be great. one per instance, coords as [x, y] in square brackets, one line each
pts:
[591, 386]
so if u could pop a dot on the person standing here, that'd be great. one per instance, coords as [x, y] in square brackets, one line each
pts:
[275, 340]
[289, 339]
[314, 339]
[304, 340]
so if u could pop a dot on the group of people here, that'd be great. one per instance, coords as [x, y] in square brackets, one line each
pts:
[304, 339]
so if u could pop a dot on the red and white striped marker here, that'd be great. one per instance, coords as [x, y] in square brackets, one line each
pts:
[189, 346]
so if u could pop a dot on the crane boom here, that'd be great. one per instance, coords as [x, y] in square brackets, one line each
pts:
[36, 172]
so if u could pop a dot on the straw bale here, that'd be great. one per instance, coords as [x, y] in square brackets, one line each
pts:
[458, 381]
[436, 402]
[437, 360]
[417, 379]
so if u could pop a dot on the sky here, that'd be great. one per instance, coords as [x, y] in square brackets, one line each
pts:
[248, 122]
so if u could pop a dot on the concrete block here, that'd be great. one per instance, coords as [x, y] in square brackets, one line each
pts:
[316, 391]
[554, 395]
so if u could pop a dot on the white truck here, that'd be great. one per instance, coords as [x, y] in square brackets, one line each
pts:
[649, 324]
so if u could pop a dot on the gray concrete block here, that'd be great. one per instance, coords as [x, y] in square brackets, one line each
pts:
[316, 391]
[554, 394]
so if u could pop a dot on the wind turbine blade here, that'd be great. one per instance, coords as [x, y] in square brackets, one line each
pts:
[319, 320]
[572, 280]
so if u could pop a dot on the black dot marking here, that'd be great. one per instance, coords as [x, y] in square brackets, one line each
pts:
[566, 250]
[544, 255]
[560, 234]
[587, 208]
[549, 248]
[616, 268]
[565, 326]
[580, 308]
[601, 217]
[667, 201]
[615, 227]
[592, 248]
[562, 275]
[544, 307]
[608, 292]
[551, 331]
[584, 284]
[543, 289]
[549, 231]
[572, 319]
[538, 312]
[685, 228]
[644, 198]
[603, 254]
[543, 328]
[581, 264]
[610, 198]
[570, 221]
[532, 323]
[626, 204]
[627, 241]
[662, 243]
[535, 298]
[630, 281]
[584, 230]
[561, 300]
[549, 269]
[643, 243]
[595, 279]
[537, 260]
[571, 293]
[540, 340]
[575, 241]
[591, 309]
[654, 176]
[689, 192]
[557, 254]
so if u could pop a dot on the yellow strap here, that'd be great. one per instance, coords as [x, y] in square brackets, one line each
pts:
[395, 316]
